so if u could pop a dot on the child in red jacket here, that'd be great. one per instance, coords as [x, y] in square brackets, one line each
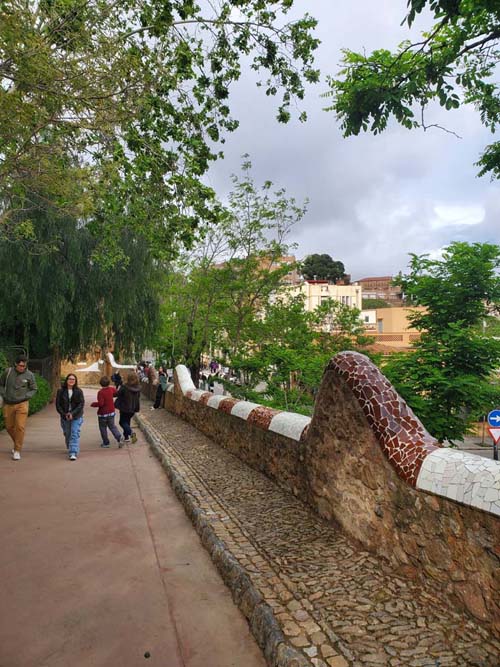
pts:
[106, 412]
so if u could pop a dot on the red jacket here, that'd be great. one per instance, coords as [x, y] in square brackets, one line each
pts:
[105, 401]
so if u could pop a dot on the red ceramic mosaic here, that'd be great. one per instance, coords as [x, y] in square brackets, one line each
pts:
[402, 436]
[204, 398]
[227, 405]
[262, 416]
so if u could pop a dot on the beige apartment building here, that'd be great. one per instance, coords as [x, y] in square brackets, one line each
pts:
[317, 292]
[390, 326]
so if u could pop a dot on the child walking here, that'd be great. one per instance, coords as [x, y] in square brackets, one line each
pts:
[106, 413]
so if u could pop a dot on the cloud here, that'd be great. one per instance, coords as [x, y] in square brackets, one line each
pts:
[373, 199]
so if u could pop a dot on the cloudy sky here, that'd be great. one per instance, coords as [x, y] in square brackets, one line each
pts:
[373, 199]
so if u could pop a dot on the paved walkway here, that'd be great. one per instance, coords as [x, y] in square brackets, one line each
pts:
[336, 605]
[99, 566]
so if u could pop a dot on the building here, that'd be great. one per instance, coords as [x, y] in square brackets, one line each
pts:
[381, 288]
[390, 326]
[317, 292]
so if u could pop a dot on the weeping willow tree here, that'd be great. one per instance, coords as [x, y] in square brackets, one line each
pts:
[61, 302]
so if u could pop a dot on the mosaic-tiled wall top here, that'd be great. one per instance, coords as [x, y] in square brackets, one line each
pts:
[414, 454]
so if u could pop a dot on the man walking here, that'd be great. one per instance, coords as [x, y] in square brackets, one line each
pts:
[17, 386]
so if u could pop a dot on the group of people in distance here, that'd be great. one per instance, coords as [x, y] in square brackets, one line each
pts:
[70, 402]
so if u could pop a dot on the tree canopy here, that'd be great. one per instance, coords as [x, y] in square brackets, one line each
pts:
[447, 377]
[454, 63]
[322, 267]
[64, 303]
[215, 296]
[115, 110]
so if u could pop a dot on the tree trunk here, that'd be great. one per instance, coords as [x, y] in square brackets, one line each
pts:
[55, 379]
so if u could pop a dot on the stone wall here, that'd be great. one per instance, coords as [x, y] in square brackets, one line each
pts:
[366, 462]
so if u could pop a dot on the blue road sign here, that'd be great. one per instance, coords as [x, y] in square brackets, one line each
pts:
[494, 418]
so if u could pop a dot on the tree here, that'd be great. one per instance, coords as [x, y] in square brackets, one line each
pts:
[292, 349]
[64, 303]
[216, 294]
[115, 110]
[447, 377]
[322, 267]
[454, 63]
[370, 304]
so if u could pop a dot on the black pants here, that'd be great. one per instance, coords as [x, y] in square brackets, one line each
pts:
[125, 418]
[159, 396]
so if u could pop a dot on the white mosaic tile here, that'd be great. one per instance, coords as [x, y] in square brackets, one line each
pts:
[185, 381]
[289, 424]
[243, 409]
[463, 477]
[213, 401]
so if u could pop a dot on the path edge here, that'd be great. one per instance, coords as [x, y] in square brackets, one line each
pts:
[278, 652]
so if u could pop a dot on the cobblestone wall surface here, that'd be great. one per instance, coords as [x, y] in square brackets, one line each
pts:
[312, 597]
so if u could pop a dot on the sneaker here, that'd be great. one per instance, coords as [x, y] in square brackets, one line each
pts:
[134, 437]
[16, 456]
[125, 441]
[152, 408]
[104, 444]
[72, 457]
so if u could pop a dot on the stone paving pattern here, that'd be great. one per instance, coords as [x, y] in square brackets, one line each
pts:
[335, 605]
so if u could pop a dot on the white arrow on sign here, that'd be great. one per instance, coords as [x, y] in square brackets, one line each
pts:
[495, 418]
[495, 433]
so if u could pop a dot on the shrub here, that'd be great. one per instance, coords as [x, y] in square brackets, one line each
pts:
[39, 400]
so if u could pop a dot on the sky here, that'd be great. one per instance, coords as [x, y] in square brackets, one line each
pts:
[372, 199]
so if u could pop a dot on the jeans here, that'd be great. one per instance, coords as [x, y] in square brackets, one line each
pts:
[104, 424]
[125, 418]
[71, 429]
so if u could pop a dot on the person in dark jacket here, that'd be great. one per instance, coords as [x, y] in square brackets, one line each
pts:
[69, 405]
[106, 412]
[17, 386]
[128, 403]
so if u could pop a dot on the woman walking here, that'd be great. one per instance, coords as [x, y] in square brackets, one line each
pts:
[69, 405]
[128, 403]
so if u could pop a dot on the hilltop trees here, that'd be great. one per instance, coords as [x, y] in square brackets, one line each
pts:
[322, 267]
[454, 63]
[447, 377]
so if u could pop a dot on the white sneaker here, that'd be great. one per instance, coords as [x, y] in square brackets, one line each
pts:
[16, 455]
[72, 457]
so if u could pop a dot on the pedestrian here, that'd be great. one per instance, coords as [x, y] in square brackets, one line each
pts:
[69, 405]
[106, 412]
[17, 386]
[117, 379]
[128, 403]
[161, 389]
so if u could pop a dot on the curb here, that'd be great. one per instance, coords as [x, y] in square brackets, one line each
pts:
[260, 616]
